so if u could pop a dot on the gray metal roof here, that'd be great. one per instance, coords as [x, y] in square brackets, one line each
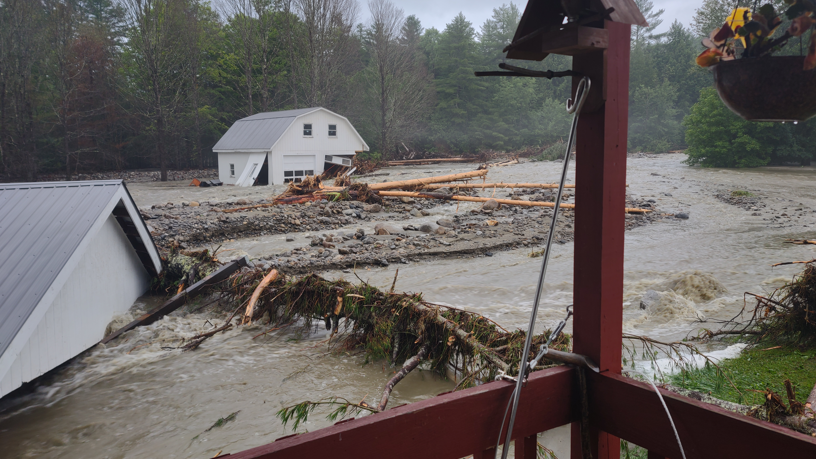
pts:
[41, 225]
[259, 131]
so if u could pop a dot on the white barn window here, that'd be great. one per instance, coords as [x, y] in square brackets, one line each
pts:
[332, 130]
[232, 170]
[307, 129]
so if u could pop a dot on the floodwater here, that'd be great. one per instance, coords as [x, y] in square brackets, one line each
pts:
[139, 398]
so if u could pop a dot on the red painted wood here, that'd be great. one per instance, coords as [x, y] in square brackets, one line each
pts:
[449, 426]
[489, 453]
[651, 455]
[631, 410]
[526, 447]
[600, 196]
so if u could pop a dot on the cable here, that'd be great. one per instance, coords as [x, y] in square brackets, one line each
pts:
[663, 402]
[580, 97]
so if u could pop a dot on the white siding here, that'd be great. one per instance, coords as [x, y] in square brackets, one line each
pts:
[107, 280]
[225, 159]
[292, 142]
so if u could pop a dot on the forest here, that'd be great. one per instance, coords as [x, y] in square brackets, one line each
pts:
[90, 85]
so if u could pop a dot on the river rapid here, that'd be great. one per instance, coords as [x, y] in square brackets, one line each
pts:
[139, 398]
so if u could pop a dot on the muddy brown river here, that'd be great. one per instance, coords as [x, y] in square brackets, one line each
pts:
[137, 398]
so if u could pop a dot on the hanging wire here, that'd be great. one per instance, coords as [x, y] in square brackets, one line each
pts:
[575, 108]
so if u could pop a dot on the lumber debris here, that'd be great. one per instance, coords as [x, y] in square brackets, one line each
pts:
[800, 241]
[409, 162]
[488, 186]
[250, 309]
[181, 299]
[509, 202]
[428, 180]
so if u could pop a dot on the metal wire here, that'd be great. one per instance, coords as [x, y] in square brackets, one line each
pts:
[580, 97]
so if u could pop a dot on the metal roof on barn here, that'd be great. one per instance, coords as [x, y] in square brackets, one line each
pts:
[41, 226]
[260, 131]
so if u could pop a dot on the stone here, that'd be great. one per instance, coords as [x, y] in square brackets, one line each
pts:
[446, 222]
[424, 213]
[383, 262]
[194, 204]
[681, 215]
[428, 227]
[184, 204]
[386, 229]
[649, 299]
[343, 251]
[242, 202]
[407, 200]
[441, 230]
[290, 238]
[490, 204]
[415, 213]
[325, 220]
[373, 208]
[350, 212]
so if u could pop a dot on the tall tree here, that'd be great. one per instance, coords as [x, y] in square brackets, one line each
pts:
[159, 32]
[642, 34]
[321, 48]
[395, 75]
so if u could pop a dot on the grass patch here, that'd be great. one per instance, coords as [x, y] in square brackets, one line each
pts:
[741, 194]
[755, 370]
[553, 152]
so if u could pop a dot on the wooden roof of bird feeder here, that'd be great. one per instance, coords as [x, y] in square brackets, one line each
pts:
[568, 27]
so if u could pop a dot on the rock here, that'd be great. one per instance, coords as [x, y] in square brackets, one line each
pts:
[343, 251]
[756, 214]
[649, 299]
[416, 213]
[681, 215]
[383, 262]
[446, 222]
[184, 204]
[428, 227]
[368, 240]
[350, 212]
[194, 204]
[316, 242]
[386, 229]
[424, 213]
[440, 230]
[373, 208]
[488, 254]
[242, 202]
[407, 200]
[325, 220]
[290, 239]
[326, 254]
[491, 204]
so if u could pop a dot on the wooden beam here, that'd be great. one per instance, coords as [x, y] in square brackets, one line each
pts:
[179, 300]
[452, 425]
[574, 41]
[631, 410]
[600, 195]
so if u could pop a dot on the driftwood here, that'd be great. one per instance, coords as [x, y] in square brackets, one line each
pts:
[407, 367]
[250, 309]
[425, 181]
[800, 241]
[487, 186]
[793, 263]
[509, 202]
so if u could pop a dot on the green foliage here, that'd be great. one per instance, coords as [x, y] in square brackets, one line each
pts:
[756, 369]
[653, 119]
[551, 153]
[741, 193]
[718, 138]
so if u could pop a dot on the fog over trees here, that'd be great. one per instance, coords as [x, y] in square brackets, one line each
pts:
[91, 85]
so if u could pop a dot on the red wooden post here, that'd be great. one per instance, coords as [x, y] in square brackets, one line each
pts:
[526, 447]
[600, 195]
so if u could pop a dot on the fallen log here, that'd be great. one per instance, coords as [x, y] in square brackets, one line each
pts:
[407, 162]
[407, 367]
[250, 309]
[179, 300]
[509, 202]
[800, 241]
[427, 180]
[485, 186]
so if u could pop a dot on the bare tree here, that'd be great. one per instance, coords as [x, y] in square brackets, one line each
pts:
[158, 39]
[396, 75]
[21, 45]
[321, 46]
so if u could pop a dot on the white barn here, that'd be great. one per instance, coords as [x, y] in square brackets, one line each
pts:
[280, 147]
[72, 255]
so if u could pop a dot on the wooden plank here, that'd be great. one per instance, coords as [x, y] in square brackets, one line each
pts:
[575, 41]
[631, 410]
[600, 194]
[452, 425]
[179, 300]
[653, 455]
[489, 453]
[525, 448]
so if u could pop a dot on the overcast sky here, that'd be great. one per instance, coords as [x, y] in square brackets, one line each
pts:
[437, 13]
